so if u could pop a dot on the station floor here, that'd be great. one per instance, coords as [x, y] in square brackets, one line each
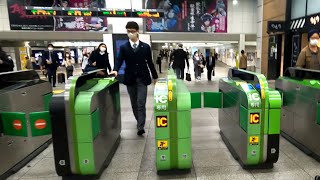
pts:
[135, 157]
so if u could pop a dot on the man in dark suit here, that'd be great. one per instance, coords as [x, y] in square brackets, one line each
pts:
[211, 63]
[138, 58]
[180, 58]
[51, 63]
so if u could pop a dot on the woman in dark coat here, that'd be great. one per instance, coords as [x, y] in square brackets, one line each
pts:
[99, 58]
[6, 64]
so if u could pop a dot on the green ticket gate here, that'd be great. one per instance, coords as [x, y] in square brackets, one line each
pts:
[172, 107]
[86, 126]
[300, 123]
[25, 124]
[249, 118]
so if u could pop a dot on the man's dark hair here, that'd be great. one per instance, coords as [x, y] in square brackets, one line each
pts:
[242, 51]
[132, 25]
[180, 45]
[50, 45]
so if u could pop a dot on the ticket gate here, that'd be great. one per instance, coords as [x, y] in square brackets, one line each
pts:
[249, 118]
[172, 115]
[300, 123]
[86, 126]
[25, 124]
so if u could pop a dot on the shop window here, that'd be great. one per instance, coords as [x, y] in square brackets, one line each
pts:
[298, 8]
[313, 7]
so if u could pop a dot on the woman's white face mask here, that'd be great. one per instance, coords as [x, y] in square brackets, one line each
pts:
[314, 42]
[103, 49]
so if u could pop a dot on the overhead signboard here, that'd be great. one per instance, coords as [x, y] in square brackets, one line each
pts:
[93, 12]
[208, 16]
[276, 26]
[41, 15]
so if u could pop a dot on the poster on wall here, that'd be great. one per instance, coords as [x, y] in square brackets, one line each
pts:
[20, 21]
[295, 49]
[208, 16]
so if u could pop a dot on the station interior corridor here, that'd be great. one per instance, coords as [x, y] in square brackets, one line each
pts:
[135, 156]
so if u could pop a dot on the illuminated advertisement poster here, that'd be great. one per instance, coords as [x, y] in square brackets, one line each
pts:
[20, 21]
[188, 16]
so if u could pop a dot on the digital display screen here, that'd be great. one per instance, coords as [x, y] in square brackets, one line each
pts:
[89, 12]
[42, 12]
[147, 14]
[80, 13]
[113, 13]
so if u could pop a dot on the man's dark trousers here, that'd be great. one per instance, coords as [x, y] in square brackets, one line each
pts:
[209, 72]
[52, 76]
[138, 97]
[180, 73]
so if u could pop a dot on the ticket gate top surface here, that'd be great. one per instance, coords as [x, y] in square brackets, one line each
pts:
[90, 120]
[258, 121]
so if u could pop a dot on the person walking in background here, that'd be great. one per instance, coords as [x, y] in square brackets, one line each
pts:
[6, 64]
[309, 56]
[198, 65]
[28, 64]
[68, 62]
[210, 64]
[84, 61]
[179, 58]
[99, 58]
[243, 61]
[51, 64]
[159, 58]
[138, 58]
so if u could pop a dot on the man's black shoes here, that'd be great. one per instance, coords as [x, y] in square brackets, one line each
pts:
[141, 132]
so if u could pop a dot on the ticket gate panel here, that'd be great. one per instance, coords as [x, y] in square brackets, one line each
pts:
[300, 90]
[163, 156]
[21, 93]
[92, 125]
[250, 118]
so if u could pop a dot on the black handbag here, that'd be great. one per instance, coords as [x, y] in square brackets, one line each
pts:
[188, 76]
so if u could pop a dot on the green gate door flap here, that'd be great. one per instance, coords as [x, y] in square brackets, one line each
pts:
[212, 99]
[47, 99]
[195, 100]
[14, 124]
[40, 123]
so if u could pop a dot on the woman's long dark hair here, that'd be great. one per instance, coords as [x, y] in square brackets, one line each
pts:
[98, 49]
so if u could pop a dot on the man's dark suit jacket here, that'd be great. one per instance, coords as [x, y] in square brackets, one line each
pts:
[213, 62]
[137, 63]
[55, 60]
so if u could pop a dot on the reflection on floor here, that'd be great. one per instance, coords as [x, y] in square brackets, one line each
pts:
[135, 157]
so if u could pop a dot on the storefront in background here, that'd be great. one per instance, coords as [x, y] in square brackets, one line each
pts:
[301, 17]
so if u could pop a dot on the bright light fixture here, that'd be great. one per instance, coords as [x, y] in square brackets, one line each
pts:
[235, 2]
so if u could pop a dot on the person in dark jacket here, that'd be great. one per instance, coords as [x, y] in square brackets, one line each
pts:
[210, 64]
[51, 63]
[138, 58]
[180, 58]
[99, 58]
[6, 64]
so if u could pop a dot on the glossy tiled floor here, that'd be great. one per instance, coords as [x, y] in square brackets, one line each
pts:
[134, 158]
